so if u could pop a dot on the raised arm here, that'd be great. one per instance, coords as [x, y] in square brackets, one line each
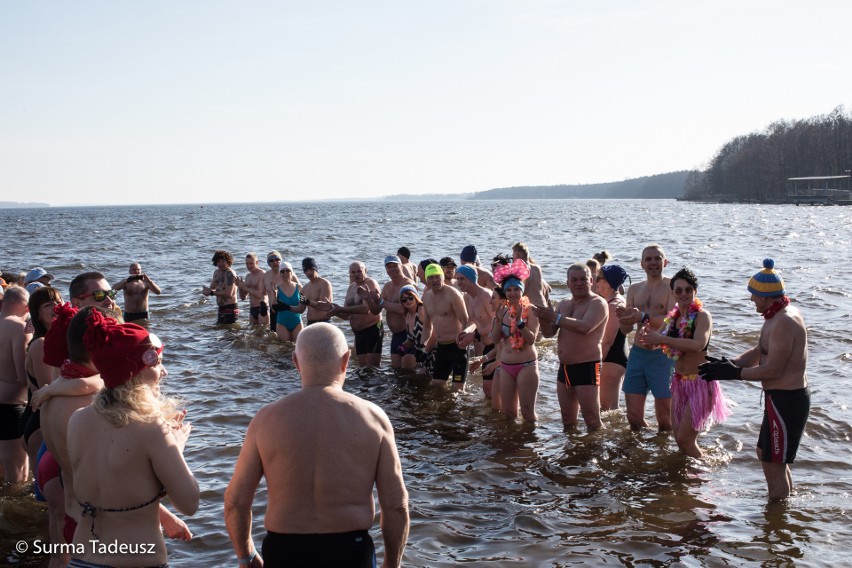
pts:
[151, 285]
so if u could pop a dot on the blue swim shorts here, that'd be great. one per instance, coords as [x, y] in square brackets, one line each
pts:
[648, 370]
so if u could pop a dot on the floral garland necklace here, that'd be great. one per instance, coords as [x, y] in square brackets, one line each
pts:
[684, 329]
[516, 340]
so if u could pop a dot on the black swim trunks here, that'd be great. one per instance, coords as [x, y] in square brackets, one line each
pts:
[329, 550]
[785, 414]
[450, 362]
[580, 374]
[257, 311]
[228, 314]
[369, 340]
[398, 339]
[10, 418]
[134, 316]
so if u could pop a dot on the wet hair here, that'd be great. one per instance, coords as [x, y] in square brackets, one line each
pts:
[219, 254]
[403, 251]
[252, 255]
[41, 296]
[78, 286]
[687, 275]
[602, 257]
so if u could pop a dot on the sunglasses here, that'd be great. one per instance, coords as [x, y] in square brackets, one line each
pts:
[100, 295]
[283, 270]
[272, 260]
[407, 299]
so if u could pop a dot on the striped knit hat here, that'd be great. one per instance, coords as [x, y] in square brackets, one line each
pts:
[767, 282]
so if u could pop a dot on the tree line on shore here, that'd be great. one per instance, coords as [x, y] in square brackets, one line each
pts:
[756, 167]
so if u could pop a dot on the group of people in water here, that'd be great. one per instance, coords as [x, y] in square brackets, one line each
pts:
[80, 390]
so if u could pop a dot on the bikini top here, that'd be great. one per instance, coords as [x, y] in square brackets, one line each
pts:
[91, 510]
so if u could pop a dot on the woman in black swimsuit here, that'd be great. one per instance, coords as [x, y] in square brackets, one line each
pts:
[614, 343]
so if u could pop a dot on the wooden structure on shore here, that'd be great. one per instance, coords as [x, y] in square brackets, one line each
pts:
[819, 190]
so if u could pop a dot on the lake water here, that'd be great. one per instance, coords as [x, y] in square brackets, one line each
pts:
[483, 489]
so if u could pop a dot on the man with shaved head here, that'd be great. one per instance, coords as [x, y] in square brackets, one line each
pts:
[322, 450]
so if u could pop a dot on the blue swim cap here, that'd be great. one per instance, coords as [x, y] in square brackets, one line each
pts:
[512, 281]
[468, 272]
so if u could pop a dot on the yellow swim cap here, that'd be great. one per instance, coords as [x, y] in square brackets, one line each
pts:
[433, 270]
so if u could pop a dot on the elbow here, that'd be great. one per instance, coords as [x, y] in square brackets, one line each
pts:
[187, 504]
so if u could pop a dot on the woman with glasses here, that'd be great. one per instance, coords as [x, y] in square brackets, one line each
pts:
[288, 292]
[684, 338]
[414, 349]
[614, 343]
[514, 332]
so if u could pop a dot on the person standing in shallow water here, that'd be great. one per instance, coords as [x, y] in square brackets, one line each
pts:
[136, 287]
[684, 338]
[322, 451]
[779, 362]
[580, 323]
[224, 287]
[614, 343]
[648, 369]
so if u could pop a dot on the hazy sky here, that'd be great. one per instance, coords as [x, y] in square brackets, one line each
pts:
[115, 102]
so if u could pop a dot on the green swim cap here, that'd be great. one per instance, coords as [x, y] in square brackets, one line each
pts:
[433, 270]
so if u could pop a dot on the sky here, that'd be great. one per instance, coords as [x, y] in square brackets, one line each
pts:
[147, 102]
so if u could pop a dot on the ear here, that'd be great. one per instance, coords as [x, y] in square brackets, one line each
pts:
[296, 362]
[344, 362]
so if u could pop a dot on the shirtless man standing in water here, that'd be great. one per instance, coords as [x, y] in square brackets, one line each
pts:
[535, 287]
[13, 380]
[390, 295]
[482, 314]
[224, 287]
[447, 314]
[580, 322]
[648, 303]
[270, 281]
[317, 290]
[322, 452]
[366, 326]
[779, 362]
[136, 288]
[253, 288]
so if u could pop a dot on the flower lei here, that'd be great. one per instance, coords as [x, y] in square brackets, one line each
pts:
[516, 340]
[684, 328]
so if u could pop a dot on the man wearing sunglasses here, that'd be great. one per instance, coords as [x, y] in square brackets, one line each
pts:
[92, 289]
